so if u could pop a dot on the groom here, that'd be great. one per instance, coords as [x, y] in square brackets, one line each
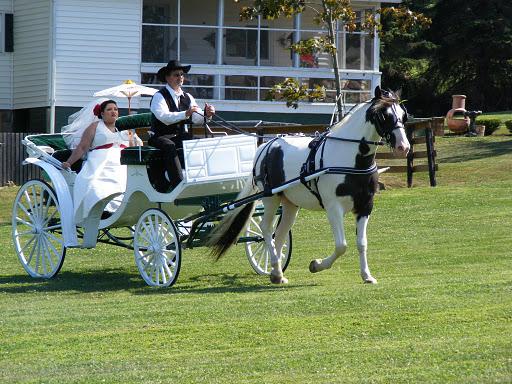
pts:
[172, 113]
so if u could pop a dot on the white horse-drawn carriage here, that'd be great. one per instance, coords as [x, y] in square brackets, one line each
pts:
[156, 225]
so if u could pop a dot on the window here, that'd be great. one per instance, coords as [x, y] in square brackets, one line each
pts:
[6, 32]
[159, 43]
[2, 32]
[241, 87]
[243, 43]
[197, 45]
[201, 86]
[160, 11]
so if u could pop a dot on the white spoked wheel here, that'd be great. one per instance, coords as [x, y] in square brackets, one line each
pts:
[37, 229]
[157, 248]
[256, 249]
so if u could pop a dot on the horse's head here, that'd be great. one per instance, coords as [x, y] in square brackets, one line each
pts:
[389, 117]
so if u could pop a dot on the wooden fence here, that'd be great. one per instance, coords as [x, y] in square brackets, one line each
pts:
[422, 155]
[12, 154]
[420, 132]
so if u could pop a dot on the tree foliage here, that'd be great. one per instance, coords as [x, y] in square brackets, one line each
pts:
[467, 50]
[330, 14]
[474, 54]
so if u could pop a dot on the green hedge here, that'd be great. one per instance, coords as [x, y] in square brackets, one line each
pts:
[508, 124]
[491, 125]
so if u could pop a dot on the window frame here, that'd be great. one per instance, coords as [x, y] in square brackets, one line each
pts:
[3, 34]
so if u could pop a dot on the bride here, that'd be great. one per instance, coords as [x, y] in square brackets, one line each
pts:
[93, 134]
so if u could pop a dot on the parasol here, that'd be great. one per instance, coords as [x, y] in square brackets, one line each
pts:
[128, 89]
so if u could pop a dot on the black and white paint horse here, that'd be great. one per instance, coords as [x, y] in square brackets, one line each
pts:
[347, 152]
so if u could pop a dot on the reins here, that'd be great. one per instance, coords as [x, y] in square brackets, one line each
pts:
[230, 126]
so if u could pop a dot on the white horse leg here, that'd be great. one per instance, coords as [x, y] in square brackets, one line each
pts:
[362, 246]
[288, 217]
[335, 216]
[271, 204]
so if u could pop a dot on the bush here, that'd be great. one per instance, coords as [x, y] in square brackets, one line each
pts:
[508, 124]
[491, 125]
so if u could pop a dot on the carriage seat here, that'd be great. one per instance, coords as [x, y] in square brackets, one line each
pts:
[58, 146]
[152, 158]
[140, 155]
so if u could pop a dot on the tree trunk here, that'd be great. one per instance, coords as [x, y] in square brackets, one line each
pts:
[335, 65]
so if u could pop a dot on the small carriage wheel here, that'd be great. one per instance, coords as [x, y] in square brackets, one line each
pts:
[37, 229]
[256, 249]
[157, 248]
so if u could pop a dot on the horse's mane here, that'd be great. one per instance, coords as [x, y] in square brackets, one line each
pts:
[376, 107]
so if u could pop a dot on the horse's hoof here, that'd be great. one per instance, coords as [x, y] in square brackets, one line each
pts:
[370, 280]
[278, 279]
[313, 266]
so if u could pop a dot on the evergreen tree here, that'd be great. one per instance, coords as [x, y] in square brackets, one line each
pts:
[405, 60]
[474, 52]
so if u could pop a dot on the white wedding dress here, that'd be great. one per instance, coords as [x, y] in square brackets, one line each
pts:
[102, 173]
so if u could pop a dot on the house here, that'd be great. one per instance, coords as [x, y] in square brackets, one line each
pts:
[55, 54]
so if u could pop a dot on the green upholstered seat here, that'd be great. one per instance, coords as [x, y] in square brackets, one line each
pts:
[54, 140]
[141, 120]
[140, 155]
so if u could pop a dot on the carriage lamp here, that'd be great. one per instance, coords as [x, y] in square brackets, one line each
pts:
[472, 121]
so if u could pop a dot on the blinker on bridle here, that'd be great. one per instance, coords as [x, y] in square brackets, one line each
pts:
[385, 131]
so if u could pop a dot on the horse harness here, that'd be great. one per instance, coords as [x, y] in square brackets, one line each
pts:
[309, 166]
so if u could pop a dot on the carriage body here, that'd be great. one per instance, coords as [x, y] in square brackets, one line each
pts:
[150, 219]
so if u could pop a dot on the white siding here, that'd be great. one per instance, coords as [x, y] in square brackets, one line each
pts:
[5, 61]
[31, 53]
[97, 47]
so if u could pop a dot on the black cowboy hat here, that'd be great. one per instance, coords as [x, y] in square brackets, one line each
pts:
[171, 66]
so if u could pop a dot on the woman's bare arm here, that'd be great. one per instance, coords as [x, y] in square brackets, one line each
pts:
[83, 147]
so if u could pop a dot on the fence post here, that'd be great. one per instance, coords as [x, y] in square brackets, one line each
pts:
[429, 136]
[410, 155]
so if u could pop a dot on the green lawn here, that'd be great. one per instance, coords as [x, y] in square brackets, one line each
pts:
[441, 313]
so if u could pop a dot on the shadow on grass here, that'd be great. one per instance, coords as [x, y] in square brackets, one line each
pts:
[93, 281]
[476, 148]
[119, 280]
[223, 283]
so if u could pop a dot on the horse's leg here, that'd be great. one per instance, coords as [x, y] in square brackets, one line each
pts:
[271, 204]
[288, 217]
[362, 246]
[335, 216]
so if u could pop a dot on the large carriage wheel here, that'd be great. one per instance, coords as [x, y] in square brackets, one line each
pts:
[157, 248]
[256, 249]
[37, 229]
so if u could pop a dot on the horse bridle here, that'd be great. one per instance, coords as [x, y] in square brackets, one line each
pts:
[387, 132]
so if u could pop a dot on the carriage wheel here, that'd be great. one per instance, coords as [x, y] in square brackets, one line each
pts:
[256, 249]
[37, 229]
[157, 248]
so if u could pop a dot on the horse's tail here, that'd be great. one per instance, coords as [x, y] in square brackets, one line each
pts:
[226, 233]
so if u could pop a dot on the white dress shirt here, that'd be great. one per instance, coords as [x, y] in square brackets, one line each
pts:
[160, 109]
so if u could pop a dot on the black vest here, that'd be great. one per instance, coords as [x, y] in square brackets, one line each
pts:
[158, 128]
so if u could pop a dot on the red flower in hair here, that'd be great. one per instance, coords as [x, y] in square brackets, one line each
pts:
[97, 110]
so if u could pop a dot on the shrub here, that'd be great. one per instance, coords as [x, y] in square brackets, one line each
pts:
[508, 124]
[491, 125]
